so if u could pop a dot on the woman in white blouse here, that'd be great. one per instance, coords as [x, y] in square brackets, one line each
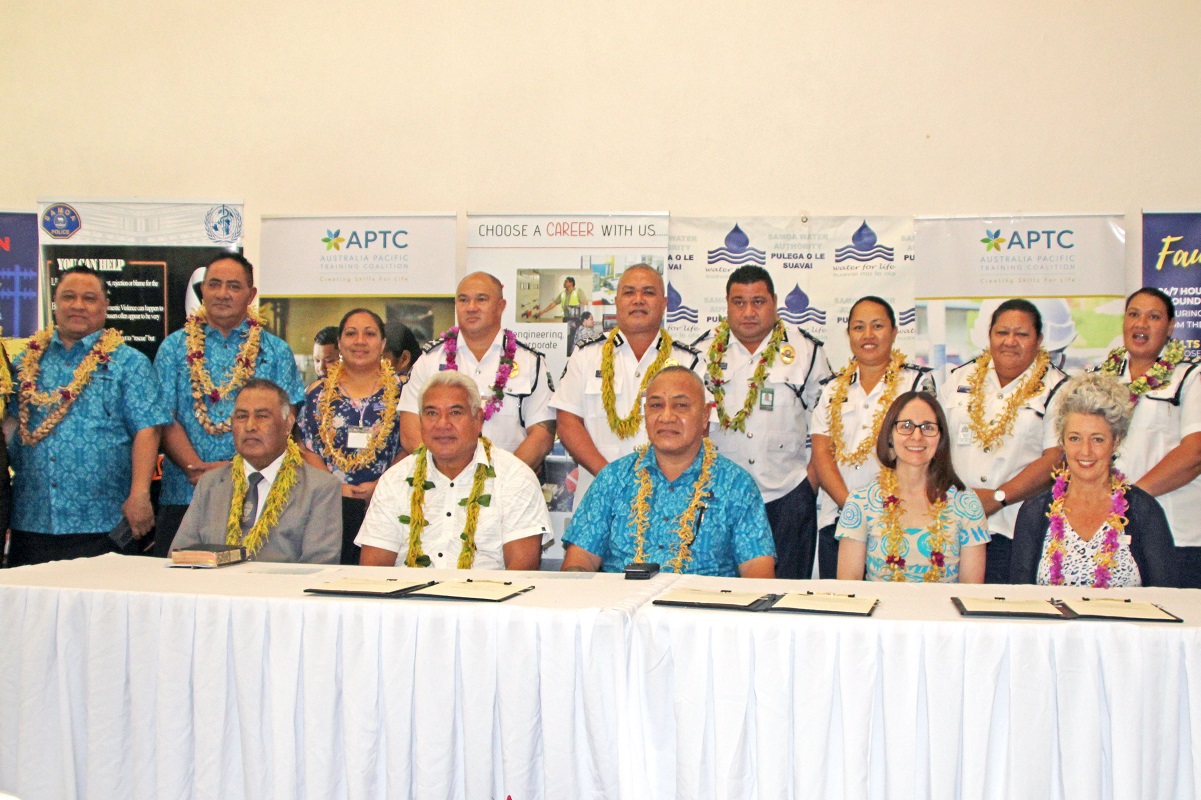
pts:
[847, 419]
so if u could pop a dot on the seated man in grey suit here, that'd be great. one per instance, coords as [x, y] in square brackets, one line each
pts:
[267, 500]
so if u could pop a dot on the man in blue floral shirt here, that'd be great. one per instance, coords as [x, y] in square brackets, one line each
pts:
[675, 502]
[87, 413]
[200, 370]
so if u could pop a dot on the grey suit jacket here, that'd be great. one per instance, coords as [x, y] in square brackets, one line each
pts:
[309, 529]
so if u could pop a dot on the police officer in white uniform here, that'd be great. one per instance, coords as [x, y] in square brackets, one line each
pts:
[761, 415]
[640, 347]
[844, 433]
[523, 423]
[1162, 452]
[1001, 418]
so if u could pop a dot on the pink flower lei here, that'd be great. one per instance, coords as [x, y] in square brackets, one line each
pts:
[1116, 521]
[450, 348]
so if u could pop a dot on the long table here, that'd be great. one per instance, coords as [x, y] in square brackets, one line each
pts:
[122, 678]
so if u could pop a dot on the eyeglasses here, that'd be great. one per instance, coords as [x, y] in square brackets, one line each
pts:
[908, 426]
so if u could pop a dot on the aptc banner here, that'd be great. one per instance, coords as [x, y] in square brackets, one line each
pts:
[560, 271]
[18, 274]
[1070, 266]
[152, 255]
[819, 266]
[1172, 262]
[358, 255]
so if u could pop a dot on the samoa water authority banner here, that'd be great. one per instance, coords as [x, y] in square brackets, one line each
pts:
[819, 265]
[152, 254]
[1172, 262]
[1070, 266]
[363, 256]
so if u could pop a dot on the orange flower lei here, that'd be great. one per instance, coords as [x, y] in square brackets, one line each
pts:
[991, 435]
[203, 388]
[894, 532]
[61, 399]
[379, 435]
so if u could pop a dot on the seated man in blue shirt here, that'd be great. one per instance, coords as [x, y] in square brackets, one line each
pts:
[86, 413]
[674, 502]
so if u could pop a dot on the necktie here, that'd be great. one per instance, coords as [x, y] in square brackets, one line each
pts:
[251, 504]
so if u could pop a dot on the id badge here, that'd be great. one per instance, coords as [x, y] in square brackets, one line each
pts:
[356, 437]
[965, 434]
[767, 399]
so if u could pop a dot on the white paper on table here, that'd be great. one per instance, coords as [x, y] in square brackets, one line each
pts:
[379, 586]
[826, 603]
[1116, 608]
[494, 591]
[710, 598]
[1003, 606]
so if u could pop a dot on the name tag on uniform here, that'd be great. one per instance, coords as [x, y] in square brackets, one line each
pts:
[598, 373]
[356, 437]
[1124, 539]
[767, 399]
[965, 434]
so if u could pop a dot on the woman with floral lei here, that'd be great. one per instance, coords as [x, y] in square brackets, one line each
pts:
[1092, 528]
[847, 420]
[915, 522]
[1162, 454]
[997, 404]
[348, 426]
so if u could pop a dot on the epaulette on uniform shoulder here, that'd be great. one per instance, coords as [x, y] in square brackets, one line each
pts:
[587, 342]
[525, 346]
[687, 348]
[432, 344]
[811, 337]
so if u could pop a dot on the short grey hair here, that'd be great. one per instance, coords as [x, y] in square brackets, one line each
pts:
[265, 385]
[1099, 395]
[679, 368]
[453, 378]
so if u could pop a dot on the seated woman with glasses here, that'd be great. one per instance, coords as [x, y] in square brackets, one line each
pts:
[1092, 527]
[915, 522]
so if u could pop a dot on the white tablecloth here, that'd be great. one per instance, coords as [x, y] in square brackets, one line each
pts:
[122, 678]
[915, 701]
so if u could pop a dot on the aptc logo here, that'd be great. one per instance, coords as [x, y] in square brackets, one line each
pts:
[864, 247]
[333, 239]
[797, 311]
[60, 221]
[676, 310]
[737, 250]
[1028, 240]
[223, 224]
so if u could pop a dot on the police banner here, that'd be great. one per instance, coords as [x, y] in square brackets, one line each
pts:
[1172, 262]
[18, 274]
[151, 254]
[819, 266]
[1070, 266]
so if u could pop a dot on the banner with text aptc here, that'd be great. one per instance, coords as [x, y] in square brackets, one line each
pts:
[1172, 262]
[18, 274]
[358, 255]
[152, 255]
[819, 266]
[1072, 267]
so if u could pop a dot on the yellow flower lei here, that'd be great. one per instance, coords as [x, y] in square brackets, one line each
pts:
[721, 338]
[894, 532]
[380, 433]
[989, 436]
[62, 398]
[842, 385]
[202, 382]
[686, 520]
[416, 517]
[627, 427]
[6, 376]
[277, 499]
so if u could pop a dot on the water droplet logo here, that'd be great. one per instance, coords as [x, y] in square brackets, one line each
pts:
[737, 250]
[864, 247]
[797, 311]
[676, 310]
[907, 317]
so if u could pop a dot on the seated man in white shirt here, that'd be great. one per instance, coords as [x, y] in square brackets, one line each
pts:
[267, 500]
[457, 501]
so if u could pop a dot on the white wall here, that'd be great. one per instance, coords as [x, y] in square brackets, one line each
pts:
[695, 107]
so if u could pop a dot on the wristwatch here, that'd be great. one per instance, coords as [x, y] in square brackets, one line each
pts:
[999, 496]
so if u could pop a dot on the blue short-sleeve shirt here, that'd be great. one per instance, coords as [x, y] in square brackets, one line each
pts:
[275, 362]
[733, 526]
[75, 480]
